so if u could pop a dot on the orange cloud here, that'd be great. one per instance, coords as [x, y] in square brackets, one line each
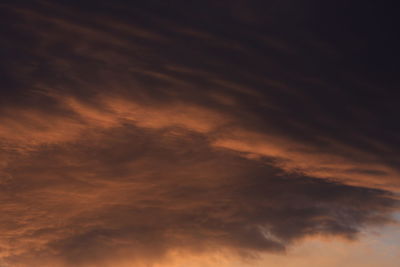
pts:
[137, 194]
[129, 137]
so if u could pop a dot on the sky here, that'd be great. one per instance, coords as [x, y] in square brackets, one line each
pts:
[230, 133]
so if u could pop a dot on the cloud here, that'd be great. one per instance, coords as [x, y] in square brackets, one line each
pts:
[135, 193]
[98, 73]
[127, 134]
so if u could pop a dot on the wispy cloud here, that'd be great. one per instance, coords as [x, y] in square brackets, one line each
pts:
[129, 135]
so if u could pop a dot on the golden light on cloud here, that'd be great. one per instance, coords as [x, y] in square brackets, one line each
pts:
[192, 134]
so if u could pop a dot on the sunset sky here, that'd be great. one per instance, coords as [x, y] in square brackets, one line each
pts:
[199, 133]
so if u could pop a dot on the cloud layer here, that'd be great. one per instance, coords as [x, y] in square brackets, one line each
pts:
[142, 192]
[127, 133]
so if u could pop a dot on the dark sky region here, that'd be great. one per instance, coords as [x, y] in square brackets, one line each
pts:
[199, 133]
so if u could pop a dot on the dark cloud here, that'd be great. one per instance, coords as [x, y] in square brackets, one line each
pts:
[130, 130]
[133, 192]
